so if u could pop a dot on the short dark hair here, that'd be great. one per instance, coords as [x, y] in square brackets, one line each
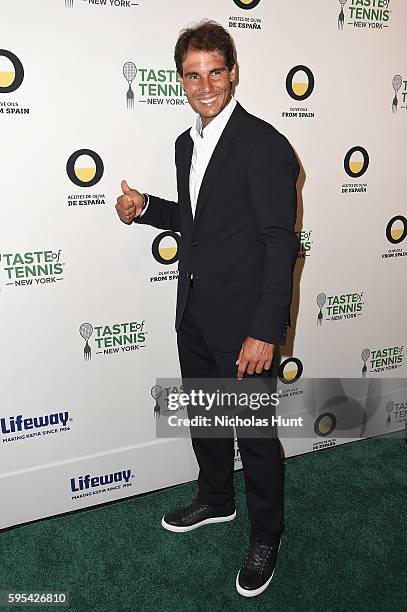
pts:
[206, 36]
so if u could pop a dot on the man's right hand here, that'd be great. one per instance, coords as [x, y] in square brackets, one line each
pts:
[130, 204]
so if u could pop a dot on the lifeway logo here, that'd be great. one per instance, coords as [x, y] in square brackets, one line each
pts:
[32, 268]
[15, 428]
[114, 338]
[88, 485]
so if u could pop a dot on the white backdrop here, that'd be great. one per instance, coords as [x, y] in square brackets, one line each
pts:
[66, 260]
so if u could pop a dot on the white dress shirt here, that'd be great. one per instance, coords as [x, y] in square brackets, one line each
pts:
[205, 141]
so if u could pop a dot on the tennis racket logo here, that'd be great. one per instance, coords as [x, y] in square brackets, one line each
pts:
[129, 73]
[341, 17]
[86, 330]
[321, 299]
[389, 410]
[156, 393]
[365, 356]
[397, 83]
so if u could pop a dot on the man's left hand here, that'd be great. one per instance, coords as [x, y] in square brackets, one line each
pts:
[254, 357]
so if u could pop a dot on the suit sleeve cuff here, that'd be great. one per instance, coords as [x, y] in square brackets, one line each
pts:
[270, 325]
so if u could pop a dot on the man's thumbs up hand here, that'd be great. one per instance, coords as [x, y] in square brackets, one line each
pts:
[125, 188]
[130, 204]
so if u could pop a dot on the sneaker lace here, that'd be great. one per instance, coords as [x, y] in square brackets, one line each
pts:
[257, 555]
[195, 508]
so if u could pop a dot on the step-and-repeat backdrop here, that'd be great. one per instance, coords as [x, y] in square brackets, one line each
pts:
[89, 96]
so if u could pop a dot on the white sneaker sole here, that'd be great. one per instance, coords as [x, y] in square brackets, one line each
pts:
[217, 519]
[254, 592]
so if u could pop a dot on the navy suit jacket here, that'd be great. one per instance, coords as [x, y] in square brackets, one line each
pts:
[241, 245]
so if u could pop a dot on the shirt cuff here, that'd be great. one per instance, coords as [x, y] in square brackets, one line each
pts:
[146, 203]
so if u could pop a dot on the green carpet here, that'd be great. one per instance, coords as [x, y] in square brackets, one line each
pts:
[344, 546]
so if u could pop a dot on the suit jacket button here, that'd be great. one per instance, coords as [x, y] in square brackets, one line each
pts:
[194, 243]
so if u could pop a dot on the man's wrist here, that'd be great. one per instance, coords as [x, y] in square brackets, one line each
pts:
[145, 205]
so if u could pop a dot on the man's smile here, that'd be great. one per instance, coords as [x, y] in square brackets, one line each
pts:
[208, 100]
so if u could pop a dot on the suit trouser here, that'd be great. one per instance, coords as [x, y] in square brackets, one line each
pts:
[261, 459]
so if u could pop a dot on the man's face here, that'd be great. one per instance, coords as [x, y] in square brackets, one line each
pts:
[207, 82]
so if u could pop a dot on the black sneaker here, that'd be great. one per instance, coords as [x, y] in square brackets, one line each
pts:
[258, 568]
[197, 514]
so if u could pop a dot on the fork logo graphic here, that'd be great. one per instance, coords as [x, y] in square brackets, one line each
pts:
[400, 89]
[321, 299]
[129, 73]
[341, 18]
[86, 330]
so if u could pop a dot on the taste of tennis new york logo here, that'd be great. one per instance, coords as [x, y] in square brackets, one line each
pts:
[155, 86]
[339, 307]
[120, 4]
[305, 243]
[355, 164]
[32, 268]
[396, 233]
[368, 14]
[382, 359]
[11, 78]
[247, 22]
[85, 169]
[161, 397]
[113, 338]
[396, 412]
[299, 84]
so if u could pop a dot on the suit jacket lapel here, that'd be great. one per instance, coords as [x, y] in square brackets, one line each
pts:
[218, 158]
[184, 176]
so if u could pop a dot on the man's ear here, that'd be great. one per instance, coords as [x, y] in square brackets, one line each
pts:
[233, 74]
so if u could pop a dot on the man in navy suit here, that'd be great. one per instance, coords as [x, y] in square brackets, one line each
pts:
[236, 211]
